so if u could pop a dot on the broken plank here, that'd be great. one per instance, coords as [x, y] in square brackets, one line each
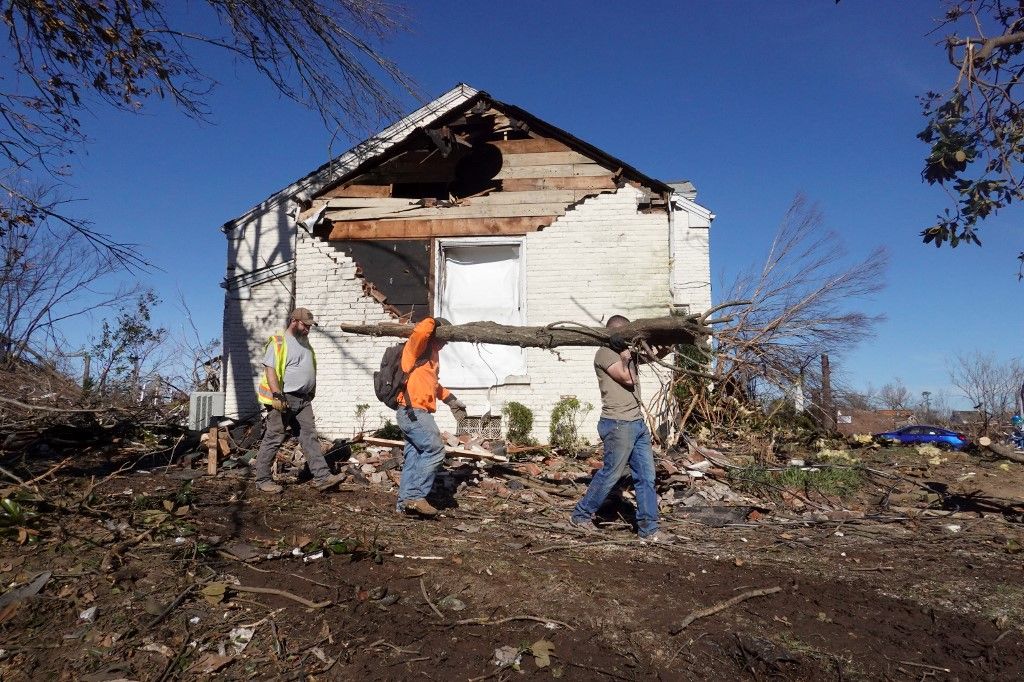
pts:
[377, 204]
[525, 184]
[529, 146]
[539, 196]
[364, 202]
[427, 228]
[357, 191]
[211, 456]
[544, 159]
[449, 213]
[553, 171]
[454, 452]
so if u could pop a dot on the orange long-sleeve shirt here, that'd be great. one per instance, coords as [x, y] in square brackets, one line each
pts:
[423, 387]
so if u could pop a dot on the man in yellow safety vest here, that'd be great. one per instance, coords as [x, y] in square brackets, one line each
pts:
[286, 390]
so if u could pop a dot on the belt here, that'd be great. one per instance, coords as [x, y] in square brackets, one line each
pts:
[302, 396]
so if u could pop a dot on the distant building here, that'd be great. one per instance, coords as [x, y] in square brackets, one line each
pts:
[849, 422]
[966, 418]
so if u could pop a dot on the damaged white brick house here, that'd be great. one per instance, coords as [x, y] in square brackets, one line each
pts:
[470, 209]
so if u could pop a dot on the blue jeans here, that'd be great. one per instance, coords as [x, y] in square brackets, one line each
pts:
[424, 452]
[626, 443]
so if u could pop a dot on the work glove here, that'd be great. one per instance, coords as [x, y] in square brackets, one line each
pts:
[279, 402]
[457, 407]
[617, 342]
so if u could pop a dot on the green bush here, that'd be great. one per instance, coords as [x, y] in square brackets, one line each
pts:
[520, 423]
[566, 418]
[389, 431]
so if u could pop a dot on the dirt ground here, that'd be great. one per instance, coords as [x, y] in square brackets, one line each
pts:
[155, 575]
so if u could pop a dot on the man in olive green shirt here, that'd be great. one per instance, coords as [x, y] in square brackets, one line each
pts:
[626, 438]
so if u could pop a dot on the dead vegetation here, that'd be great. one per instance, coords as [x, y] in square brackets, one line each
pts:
[802, 563]
[131, 551]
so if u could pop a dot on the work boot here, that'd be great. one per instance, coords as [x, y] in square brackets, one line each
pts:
[325, 484]
[420, 507]
[584, 525]
[268, 487]
[658, 537]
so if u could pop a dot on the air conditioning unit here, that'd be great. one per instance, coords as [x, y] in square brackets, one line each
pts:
[202, 407]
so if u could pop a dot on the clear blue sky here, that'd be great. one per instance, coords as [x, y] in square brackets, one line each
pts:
[753, 101]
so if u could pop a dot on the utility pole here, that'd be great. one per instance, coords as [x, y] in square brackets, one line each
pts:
[927, 405]
[829, 423]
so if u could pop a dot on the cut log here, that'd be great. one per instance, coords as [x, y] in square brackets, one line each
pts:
[658, 331]
[1002, 451]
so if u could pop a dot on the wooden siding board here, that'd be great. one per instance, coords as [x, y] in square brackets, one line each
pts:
[544, 159]
[527, 184]
[531, 145]
[450, 213]
[426, 228]
[554, 171]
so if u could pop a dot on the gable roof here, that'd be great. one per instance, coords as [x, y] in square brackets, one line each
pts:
[462, 96]
[362, 152]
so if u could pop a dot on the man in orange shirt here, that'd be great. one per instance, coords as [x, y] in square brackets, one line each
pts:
[424, 448]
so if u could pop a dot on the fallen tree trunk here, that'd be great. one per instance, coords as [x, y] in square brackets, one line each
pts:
[1004, 451]
[656, 331]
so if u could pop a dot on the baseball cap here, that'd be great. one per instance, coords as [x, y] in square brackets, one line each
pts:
[303, 315]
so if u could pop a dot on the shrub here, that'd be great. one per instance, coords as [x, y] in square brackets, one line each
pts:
[566, 418]
[520, 423]
[389, 431]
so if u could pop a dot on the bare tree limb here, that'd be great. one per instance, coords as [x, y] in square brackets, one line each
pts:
[658, 331]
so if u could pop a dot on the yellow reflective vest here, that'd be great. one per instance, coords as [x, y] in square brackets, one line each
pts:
[280, 341]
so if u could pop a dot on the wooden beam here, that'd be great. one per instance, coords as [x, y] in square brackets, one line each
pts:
[451, 451]
[544, 159]
[539, 196]
[450, 213]
[425, 229]
[555, 171]
[212, 445]
[526, 184]
[357, 191]
[530, 146]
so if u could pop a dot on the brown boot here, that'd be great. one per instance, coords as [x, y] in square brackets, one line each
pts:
[419, 507]
[325, 484]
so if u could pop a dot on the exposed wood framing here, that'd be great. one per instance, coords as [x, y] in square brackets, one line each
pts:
[427, 228]
[574, 170]
[544, 159]
[448, 213]
[523, 184]
[530, 146]
[358, 191]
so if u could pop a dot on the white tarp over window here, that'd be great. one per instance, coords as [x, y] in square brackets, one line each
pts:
[481, 282]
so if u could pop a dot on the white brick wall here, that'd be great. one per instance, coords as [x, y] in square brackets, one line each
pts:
[691, 276]
[247, 325]
[602, 258]
[327, 285]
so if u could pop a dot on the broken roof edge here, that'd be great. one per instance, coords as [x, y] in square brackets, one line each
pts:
[595, 152]
[365, 150]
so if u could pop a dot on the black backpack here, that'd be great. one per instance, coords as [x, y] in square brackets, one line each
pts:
[390, 380]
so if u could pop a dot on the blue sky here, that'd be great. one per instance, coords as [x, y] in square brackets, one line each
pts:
[752, 101]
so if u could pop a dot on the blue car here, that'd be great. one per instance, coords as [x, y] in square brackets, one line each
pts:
[944, 439]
